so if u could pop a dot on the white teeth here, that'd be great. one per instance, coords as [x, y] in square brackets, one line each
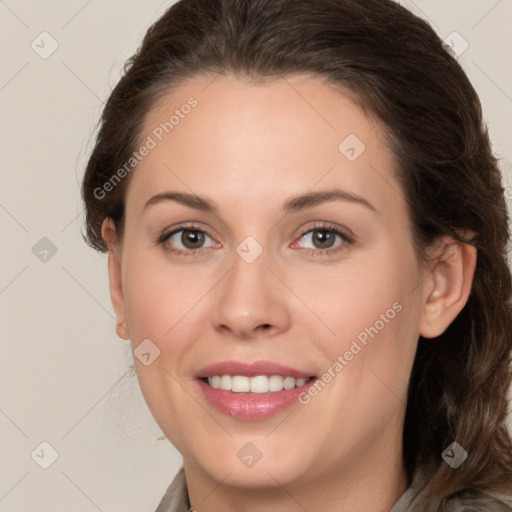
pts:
[240, 384]
[225, 382]
[275, 383]
[258, 384]
[289, 383]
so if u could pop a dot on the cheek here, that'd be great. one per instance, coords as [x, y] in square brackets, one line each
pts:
[157, 295]
[159, 304]
[374, 315]
[356, 297]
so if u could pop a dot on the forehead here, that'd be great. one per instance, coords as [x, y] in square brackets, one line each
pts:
[238, 142]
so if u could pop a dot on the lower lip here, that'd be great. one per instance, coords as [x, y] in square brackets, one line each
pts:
[252, 406]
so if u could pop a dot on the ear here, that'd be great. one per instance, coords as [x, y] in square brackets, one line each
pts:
[448, 284]
[108, 232]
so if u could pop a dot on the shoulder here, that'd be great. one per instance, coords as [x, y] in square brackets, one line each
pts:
[469, 502]
[414, 499]
[466, 503]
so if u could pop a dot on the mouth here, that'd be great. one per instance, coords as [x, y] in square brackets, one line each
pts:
[252, 391]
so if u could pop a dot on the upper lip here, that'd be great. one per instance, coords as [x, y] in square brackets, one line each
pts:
[251, 369]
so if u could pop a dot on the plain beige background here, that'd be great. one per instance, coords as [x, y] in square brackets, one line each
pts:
[66, 377]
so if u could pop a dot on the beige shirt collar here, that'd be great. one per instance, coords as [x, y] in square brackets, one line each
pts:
[176, 498]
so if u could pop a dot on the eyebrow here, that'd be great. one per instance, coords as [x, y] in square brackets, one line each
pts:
[294, 204]
[311, 199]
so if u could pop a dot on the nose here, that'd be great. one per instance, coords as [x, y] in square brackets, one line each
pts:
[250, 300]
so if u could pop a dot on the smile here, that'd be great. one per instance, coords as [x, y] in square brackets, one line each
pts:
[257, 384]
[254, 390]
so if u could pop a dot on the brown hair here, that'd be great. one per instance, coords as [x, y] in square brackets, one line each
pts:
[397, 69]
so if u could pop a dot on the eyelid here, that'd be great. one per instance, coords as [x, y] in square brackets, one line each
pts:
[193, 226]
[329, 226]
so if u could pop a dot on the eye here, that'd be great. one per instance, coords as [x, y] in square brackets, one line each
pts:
[189, 240]
[324, 238]
[185, 240]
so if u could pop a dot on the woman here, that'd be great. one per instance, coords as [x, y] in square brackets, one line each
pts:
[306, 234]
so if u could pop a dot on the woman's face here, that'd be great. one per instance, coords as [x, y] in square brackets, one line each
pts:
[261, 274]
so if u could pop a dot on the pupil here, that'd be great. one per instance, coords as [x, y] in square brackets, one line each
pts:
[323, 237]
[194, 237]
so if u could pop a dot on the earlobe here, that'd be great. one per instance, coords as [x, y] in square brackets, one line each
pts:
[449, 285]
[108, 232]
[121, 331]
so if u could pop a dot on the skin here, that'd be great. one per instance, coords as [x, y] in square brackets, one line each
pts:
[249, 148]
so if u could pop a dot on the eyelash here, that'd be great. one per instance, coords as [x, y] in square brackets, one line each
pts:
[324, 226]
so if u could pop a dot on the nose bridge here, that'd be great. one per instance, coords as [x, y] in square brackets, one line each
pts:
[249, 275]
[250, 296]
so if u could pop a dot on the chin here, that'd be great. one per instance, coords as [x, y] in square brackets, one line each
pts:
[255, 468]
